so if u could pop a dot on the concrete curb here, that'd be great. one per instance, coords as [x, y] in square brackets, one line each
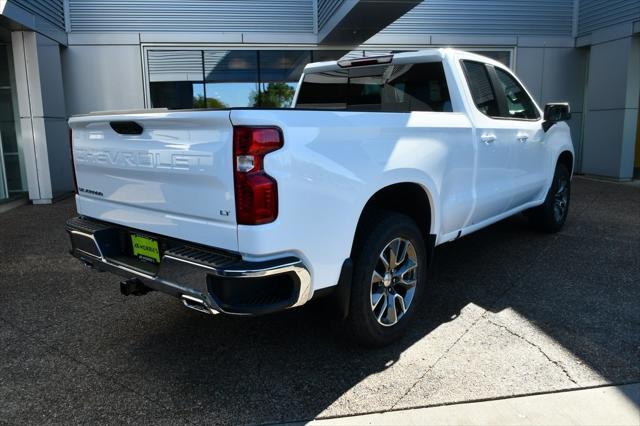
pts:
[609, 405]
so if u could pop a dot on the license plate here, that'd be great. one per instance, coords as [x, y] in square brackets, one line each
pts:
[145, 248]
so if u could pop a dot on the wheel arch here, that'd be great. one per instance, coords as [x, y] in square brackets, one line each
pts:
[566, 158]
[393, 197]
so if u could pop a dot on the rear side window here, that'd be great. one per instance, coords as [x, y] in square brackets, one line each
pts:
[385, 88]
[481, 88]
[519, 104]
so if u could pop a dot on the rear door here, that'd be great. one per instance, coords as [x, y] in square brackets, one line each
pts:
[169, 173]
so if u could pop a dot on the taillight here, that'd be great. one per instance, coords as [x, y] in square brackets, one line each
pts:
[73, 163]
[256, 192]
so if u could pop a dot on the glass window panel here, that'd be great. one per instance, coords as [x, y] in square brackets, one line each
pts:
[12, 167]
[395, 88]
[9, 160]
[280, 71]
[225, 95]
[231, 78]
[176, 94]
[519, 104]
[282, 65]
[232, 66]
[175, 78]
[274, 95]
[6, 104]
[5, 79]
[9, 140]
[198, 95]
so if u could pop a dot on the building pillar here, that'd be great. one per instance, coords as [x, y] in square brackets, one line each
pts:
[612, 102]
[43, 125]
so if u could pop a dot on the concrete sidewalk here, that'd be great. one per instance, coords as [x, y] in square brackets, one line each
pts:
[611, 405]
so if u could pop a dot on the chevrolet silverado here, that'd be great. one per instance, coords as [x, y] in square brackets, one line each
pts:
[247, 211]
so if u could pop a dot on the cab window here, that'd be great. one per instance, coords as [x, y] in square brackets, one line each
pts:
[384, 88]
[518, 103]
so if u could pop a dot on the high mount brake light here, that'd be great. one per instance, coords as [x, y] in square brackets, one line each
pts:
[256, 192]
[348, 63]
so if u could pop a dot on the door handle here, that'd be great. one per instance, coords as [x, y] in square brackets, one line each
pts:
[522, 137]
[488, 138]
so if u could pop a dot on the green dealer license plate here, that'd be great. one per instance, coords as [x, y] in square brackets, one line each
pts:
[145, 248]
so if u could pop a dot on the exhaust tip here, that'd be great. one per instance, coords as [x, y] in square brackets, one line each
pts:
[197, 305]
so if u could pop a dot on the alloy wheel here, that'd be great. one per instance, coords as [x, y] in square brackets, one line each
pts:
[561, 199]
[393, 281]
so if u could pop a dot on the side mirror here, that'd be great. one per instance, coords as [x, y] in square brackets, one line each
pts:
[554, 113]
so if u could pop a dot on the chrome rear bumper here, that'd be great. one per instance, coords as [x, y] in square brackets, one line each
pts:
[205, 279]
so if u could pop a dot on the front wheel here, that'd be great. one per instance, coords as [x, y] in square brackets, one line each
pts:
[552, 214]
[389, 278]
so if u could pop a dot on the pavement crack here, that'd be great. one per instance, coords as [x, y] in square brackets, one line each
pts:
[524, 339]
[422, 376]
[515, 282]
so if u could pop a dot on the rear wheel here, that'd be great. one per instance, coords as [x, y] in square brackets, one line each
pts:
[388, 280]
[551, 216]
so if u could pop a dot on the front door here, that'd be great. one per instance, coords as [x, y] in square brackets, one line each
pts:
[494, 141]
[530, 163]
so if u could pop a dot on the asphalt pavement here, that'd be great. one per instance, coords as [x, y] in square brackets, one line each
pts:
[509, 312]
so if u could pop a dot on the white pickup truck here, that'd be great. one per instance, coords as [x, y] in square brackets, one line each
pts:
[247, 211]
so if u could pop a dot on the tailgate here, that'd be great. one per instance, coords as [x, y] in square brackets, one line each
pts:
[175, 178]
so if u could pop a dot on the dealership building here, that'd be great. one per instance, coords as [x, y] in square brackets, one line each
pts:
[66, 57]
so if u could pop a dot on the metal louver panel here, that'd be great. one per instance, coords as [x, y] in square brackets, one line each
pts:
[326, 9]
[295, 16]
[597, 14]
[175, 65]
[50, 10]
[490, 17]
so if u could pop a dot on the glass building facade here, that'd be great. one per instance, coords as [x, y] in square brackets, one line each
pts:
[227, 78]
[185, 79]
[11, 181]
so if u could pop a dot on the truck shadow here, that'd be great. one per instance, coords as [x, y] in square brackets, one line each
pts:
[580, 292]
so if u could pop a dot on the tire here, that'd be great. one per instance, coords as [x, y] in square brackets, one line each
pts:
[552, 214]
[382, 284]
